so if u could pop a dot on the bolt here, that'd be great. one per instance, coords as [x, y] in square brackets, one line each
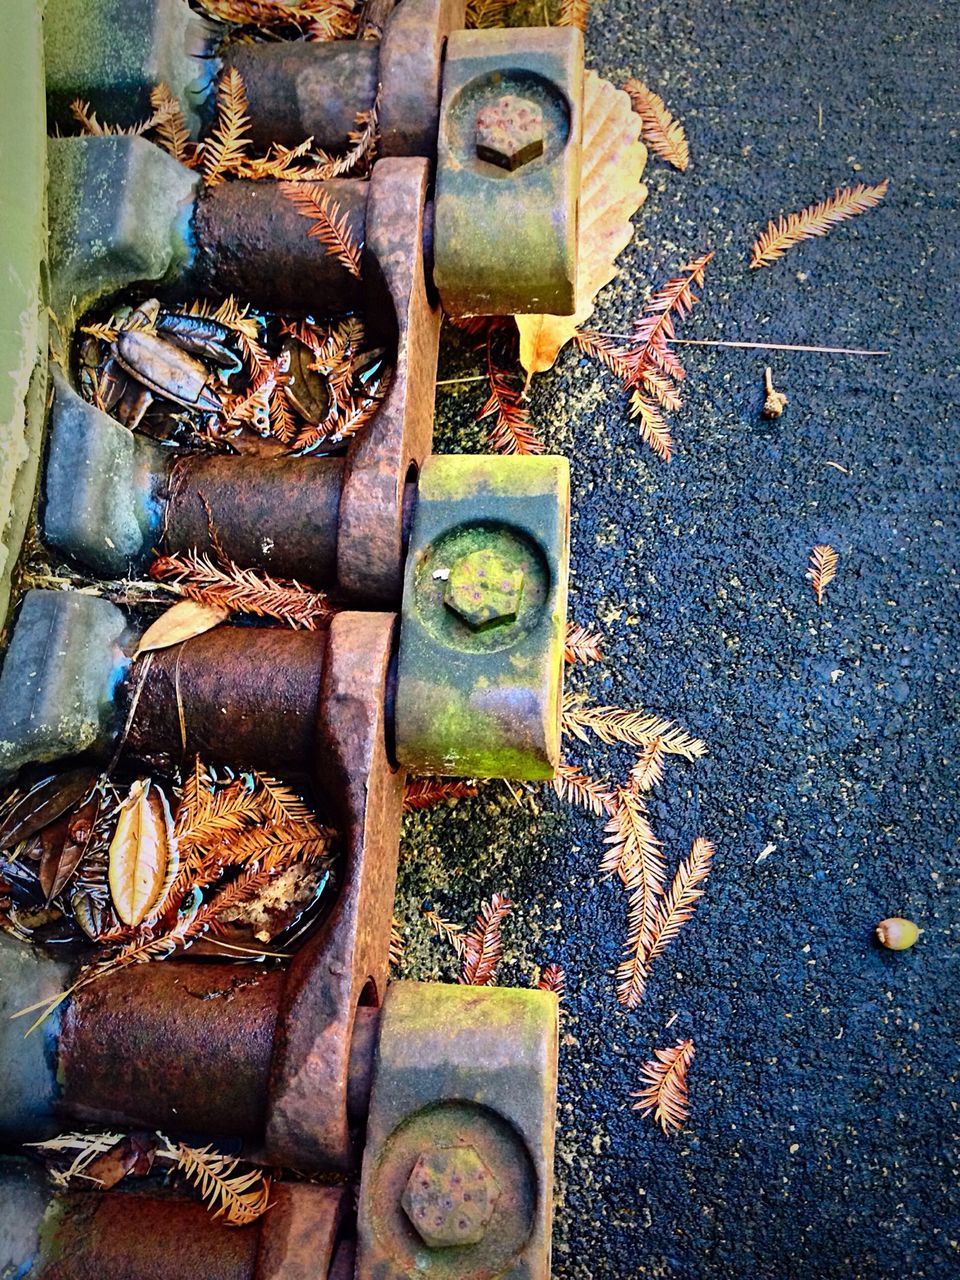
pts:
[510, 132]
[450, 1197]
[484, 589]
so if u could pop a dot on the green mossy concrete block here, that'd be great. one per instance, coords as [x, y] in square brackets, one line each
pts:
[505, 239]
[23, 246]
[479, 695]
[103, 488]
[120, 212]
[111, 53]
[27, 1100]
[60, 674]
[462, 1070]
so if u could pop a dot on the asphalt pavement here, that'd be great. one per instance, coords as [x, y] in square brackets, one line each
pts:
[822, 1139]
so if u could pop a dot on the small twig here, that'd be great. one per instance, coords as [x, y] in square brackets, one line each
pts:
[778, 346]
[753, 346]
[473, 377]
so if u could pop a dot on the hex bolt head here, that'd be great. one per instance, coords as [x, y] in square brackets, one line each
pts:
[484, 590]
[510, 132]
[450, 1197]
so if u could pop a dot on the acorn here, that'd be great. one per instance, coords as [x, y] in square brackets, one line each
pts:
[897, 934]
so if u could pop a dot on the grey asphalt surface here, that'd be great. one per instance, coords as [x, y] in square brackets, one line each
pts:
[822, 1138]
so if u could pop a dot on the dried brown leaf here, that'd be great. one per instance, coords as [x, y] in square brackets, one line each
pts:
[815, 220]
[663, 134]
[223, 150]
[182, 621]
[483, 945]
[665, 1092]
[143, 853]
[581, 645]
[636, 728]
[424, 793]
[610, 194]
[577, 787]
[241, 590]
[448, 930]
[822, 570]
[680, 902]
[331, 225]
[647, 773]
[553, 979]
[27, 814]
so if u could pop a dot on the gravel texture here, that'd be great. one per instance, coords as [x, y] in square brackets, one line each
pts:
[822, 1138]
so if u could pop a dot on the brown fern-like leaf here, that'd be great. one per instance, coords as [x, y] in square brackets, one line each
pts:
[815, 220]
[239, 1197]
[276, 847]
[822, 569]
[665, 1091]
[574, 786]
[636, 728]
[170, 126]
[330, 224]
[195, 576]
[280, 803]
[224, 149]
[573, 13]
[445, 929]
[316, 19]
[661, 132]
[632, 971]
[483, 14]
[653, 429]
[581, 645]
[204, 828]
[647, 365]
[283, 421]
[512, 431]
[346, 418]
[680, 901]
[647, 773]
[653, 331]
[483, 945]
[92, 127]
[633, 852]
[424, 793]
[553, 979]
[397, 944]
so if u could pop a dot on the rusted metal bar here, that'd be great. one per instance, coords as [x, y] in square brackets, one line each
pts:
[146, 1235]
[345, 968]
[298, 91]
[231, 694]
[117, 1237]
[252, 241]
[182, 1047]
[373, 507]
[280, 514]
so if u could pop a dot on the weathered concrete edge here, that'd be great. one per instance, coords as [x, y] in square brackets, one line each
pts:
[23, 310]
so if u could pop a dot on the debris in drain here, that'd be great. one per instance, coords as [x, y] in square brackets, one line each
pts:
[237, 1194]
[85, 859]
[312, 20]
[232, 379]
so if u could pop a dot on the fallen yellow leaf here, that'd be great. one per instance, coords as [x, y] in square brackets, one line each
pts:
[610, 194]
